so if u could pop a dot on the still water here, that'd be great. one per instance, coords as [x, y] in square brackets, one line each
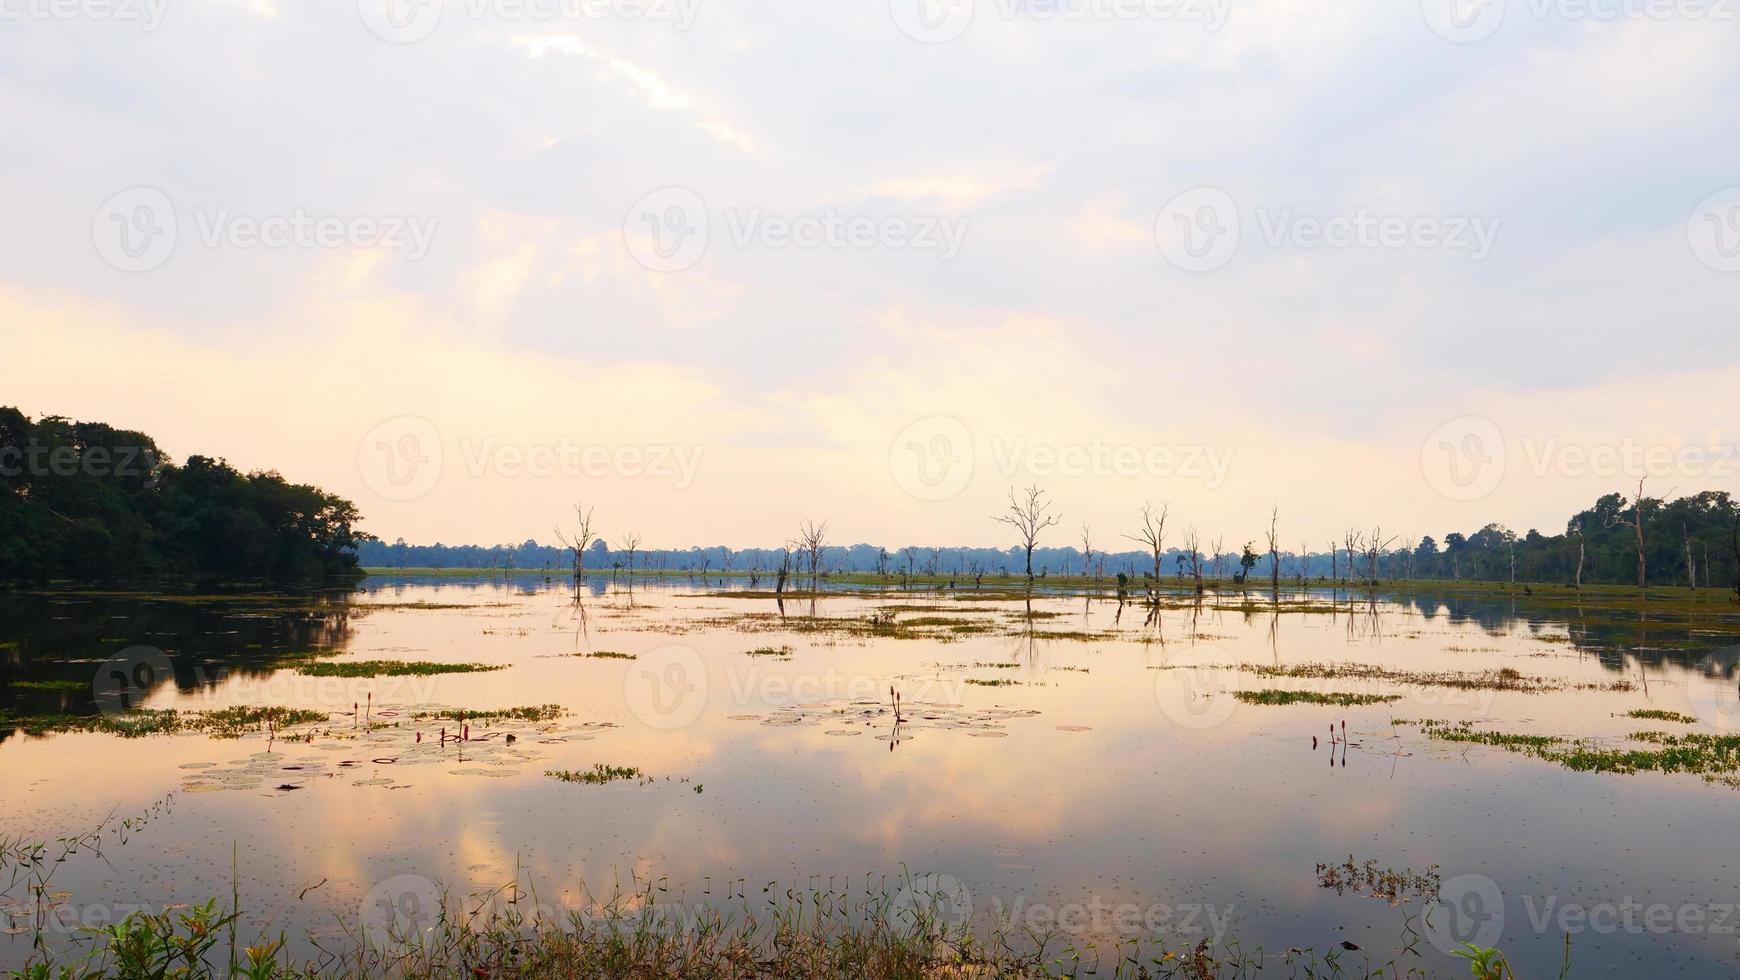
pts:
[1064, 763]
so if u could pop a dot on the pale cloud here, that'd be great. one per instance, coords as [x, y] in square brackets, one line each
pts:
[648, 84]
[1320, 371]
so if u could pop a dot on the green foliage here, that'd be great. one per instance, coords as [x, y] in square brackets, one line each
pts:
[89, 502]
[1278, 697]
[1706, 521]
[390, 668]
[598, 775]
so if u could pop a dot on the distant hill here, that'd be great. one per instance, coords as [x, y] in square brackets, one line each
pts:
[90, 502]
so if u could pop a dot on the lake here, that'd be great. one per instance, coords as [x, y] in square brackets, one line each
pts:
[1061, 764]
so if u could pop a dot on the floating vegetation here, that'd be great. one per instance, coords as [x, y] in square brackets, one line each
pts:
[391, 668]
[1273, 696]
[864, 714]
[777, 653]
[598, 775]
[998, 666]
[1394, 887]
[1503, 679]
[605, 655]
[1463, 733]
[992, 682]
[537, 712]
[1706, 755]
[230, 722]
[1655, 714]
[52, 684]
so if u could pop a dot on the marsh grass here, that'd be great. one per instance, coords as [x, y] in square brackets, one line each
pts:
[598, 775]
[536, 712]
[232, 722]
[1715, 757]
[1656, 714]
[391, 668]
[605, 655]
[1272, 696]
[777, 653]
[848, 931]
[1395, 887]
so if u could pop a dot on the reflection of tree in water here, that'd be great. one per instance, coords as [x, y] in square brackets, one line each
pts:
[54, 646]
[1617, 638]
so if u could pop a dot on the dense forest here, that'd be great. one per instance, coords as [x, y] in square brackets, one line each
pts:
[1692, 536]
[89, 502]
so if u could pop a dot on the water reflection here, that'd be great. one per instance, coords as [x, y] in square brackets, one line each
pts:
[1101, 794]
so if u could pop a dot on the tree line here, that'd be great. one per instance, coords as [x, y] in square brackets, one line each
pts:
[90, 502]
[1688, 540]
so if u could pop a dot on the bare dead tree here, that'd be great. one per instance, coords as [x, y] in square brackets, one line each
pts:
[1691, 569]
[1355, 544]
[1152, 534]
[812, 538]
[1027, 515]
[630, 542]
[1087, 552]
[1218, 546]
[1274, 549]
[1378, 544]
[725, 557]
[1575, 529]
[1192, 545]
[582, 537]
[1334, 564]
[1635, 522]
[784, 568]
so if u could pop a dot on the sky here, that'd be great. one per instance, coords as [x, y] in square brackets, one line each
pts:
[714, 267]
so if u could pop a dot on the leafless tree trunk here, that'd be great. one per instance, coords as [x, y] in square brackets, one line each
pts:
[1274, 549]
[1192, 545]
[1087, 552]
[1027, 515]
[1691, 569]
[1217, 559]
[812, 538]
[630, 542]
[1378, 544]
[1152, 534]
[1575, 529]
[1334, 565]
[582, 538]
[1636, 525]
[784, 568]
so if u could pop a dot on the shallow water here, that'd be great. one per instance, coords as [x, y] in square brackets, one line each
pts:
[1115, 789]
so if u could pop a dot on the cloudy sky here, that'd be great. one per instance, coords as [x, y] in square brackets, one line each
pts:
[718, 265]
